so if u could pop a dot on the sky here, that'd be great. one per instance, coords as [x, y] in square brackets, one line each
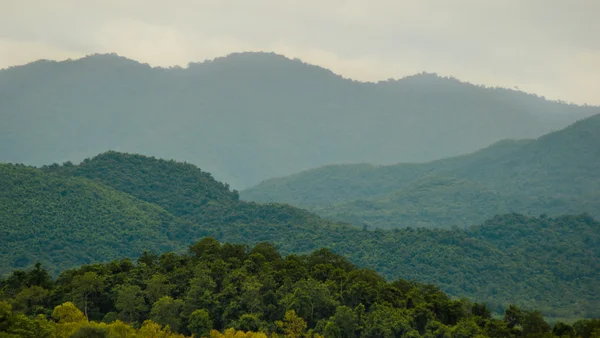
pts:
[547, 47]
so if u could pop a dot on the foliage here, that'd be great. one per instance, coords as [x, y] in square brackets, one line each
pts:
[558, 173]
[199, 323]
[545, 263]
[64, 222]
[345, 302]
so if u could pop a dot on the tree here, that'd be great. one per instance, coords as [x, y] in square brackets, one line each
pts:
[44, 328]
[561, 329]
[533, 322]
[120, 329]
[311, 299]
[587, 328]
[466, 328]
[345, 319]
[385, 321]
[481, 310]
[86, 284]
[68, 313]
[207, 247]
[157, 287]
[31, 299]
[496, 328]
[40, 277]
[91, 331]
[165, 312]
[421, 316]
[149, 258]
[331, 330]
[20, 326]
[130, 300]
[200, 294]
[153, 330]
[249, 322]
[292, 325]
[199, 323]
[513, 316]
[5, 314]
[251, 297]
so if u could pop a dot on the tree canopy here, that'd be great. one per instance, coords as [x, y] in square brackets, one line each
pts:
[546, 263]
[227, 290]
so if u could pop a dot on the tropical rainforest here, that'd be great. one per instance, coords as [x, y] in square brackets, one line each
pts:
[555, 174]
[118, 205]
[249, 117]
[231, 290]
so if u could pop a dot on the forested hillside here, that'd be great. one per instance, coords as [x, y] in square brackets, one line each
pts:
[250, 292]
[67, 221]
[546, 263]
[558, 173]
[252, 116]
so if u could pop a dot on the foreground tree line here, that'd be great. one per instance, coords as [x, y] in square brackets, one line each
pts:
[230, 290]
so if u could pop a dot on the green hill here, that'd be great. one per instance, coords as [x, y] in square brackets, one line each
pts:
[429, 201]
[546, 263]
[65, 222]
[558, 173]
[248, 117]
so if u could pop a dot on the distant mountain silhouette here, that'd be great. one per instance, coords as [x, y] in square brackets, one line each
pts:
[248, 117]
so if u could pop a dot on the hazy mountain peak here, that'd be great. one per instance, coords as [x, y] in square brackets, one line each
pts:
[248, 117]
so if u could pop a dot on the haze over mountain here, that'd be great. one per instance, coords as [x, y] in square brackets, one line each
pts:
[117, 205]
[251, 116]
[555, 174]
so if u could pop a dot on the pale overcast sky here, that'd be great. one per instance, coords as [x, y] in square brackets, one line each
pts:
[549, 47]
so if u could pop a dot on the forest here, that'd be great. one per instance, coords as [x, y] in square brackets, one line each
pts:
[555, 174]
[232, 290]
[123, 204]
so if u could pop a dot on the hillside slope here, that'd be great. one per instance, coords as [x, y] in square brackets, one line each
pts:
[252, 116]
[558, 173]
[65, 222]
[545, 263]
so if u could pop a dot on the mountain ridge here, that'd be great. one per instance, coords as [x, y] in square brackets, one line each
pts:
[248, 117]
[531, 252]
[276, 56]
[556, 173]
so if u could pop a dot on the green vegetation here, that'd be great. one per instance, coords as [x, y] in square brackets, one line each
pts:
[545, 263]
[252, 116]
[68, 221]
[227, 287]
[556, 174]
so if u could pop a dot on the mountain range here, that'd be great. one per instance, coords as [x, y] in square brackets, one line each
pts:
[558, 173]
[119, 205]
[489, 193]
[249, 117]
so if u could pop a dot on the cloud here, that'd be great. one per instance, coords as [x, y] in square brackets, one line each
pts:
[548, 47]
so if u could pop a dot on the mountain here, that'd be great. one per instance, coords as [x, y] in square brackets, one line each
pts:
[558, 173]
[65, 222]
[248, 117]
[546, 263]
